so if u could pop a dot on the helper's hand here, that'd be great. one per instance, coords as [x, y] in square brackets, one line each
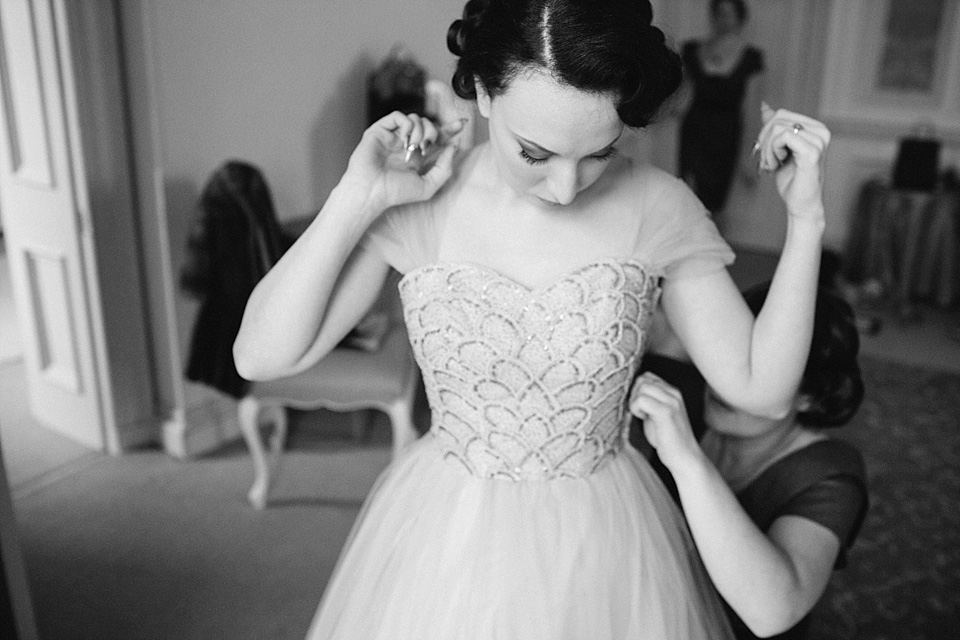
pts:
[665, 422]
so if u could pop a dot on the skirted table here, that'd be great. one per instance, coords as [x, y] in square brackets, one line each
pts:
[906, 244]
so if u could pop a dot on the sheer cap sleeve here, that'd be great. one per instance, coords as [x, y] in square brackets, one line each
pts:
[405, 237]
[676, 236]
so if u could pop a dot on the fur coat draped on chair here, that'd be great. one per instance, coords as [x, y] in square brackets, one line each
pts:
[235, 240]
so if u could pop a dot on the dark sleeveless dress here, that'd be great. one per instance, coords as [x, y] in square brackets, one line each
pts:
[711, 130]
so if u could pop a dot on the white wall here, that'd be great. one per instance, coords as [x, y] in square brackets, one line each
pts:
[280, 83]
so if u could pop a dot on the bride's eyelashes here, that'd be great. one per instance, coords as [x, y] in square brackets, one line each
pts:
[529, 159]
[535, 160]
[605, 155]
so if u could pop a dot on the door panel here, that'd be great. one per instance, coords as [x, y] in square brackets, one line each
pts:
[50, 306]
[28, 141]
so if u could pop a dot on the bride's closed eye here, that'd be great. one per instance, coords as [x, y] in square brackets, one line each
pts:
[605, 155]
[534, 160]
[529, 159]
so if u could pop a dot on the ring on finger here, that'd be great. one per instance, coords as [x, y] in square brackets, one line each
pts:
[797, 128]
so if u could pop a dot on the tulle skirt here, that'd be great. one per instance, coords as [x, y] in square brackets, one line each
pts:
[437, 553]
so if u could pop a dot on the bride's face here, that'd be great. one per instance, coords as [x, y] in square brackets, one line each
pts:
[550, 141]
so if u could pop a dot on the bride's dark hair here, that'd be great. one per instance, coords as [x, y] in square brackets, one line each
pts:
[606, 47]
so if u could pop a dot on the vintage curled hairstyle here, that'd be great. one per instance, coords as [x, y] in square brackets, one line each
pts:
[607, 47]
[831, 378]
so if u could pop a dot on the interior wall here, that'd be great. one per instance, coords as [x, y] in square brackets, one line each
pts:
[280, 84]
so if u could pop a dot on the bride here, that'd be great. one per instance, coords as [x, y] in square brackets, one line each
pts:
[531, 265]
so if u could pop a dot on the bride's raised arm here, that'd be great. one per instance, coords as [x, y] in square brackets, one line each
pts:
[325, 282]
[756, 364]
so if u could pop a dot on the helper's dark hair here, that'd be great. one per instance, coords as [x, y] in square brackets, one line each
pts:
[607, 47]
[740, 6]
[832, 377]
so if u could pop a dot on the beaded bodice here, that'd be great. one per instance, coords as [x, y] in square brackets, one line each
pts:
[528, 384]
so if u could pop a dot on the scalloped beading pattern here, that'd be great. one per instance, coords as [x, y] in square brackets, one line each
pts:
[528, 384]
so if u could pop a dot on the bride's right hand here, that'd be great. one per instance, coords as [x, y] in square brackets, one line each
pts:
[402, 158]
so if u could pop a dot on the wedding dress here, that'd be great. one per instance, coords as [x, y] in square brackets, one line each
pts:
[524, 514]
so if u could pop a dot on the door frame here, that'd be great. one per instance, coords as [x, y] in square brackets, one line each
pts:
[114, 164]
[190, 424]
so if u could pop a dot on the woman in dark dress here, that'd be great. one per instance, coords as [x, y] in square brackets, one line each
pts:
[722, 73]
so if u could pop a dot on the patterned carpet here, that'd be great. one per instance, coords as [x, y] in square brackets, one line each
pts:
[903, 579]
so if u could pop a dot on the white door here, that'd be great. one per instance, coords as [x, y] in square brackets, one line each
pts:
[42, 215]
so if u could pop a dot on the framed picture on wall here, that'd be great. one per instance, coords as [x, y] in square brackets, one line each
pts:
[891, 61]
[911, 58]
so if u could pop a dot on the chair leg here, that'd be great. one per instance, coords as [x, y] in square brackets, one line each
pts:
[277, 416]
[361, 421]
[915, 213]
[248, 414]
[401, 421]
[943, 281]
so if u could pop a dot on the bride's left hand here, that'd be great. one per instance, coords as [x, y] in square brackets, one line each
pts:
[793, 145]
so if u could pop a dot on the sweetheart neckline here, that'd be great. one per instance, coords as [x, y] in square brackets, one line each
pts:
[538, 289]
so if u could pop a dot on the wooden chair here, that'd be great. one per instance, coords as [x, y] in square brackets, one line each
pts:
[346, 379]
